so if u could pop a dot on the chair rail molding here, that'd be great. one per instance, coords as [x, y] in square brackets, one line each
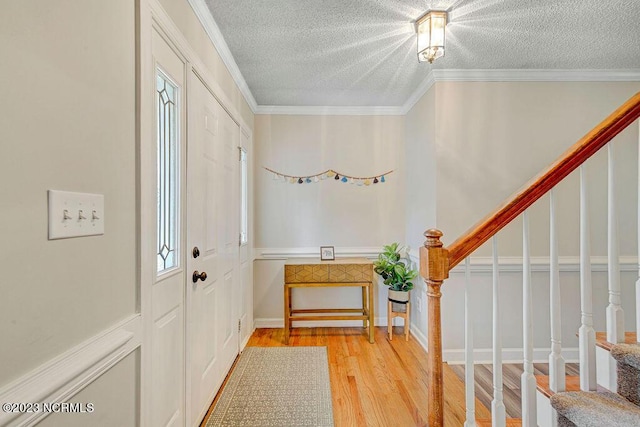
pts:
[61, 378]
[314, 252]
[568, 264]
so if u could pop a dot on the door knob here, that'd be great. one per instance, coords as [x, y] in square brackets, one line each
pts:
[195, 252]
[202, 276]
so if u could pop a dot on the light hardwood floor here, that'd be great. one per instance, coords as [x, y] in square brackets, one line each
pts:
[382, 384]
[385, 384]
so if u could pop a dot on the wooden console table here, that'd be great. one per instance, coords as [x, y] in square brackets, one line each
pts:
[313, 273]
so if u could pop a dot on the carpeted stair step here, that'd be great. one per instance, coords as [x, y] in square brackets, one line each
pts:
[546, 416]
[628, 358]
[606, 365]
[594, 409]
[572, 383]
[542, 384]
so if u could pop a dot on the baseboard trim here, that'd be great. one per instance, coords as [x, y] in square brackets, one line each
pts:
[419, 336]
[451, 356]
[278, 322]
[485, 355]
[61, 378]
[509, 355]
[245, 341]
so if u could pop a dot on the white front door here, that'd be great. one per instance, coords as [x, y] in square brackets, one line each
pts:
[213, 251]
[167, 394]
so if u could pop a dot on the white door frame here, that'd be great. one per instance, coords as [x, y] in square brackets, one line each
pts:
[150, 14]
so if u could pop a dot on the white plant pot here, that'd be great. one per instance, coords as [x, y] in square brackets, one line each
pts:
[399, 300]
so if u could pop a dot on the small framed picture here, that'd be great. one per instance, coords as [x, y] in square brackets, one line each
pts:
[326, 253]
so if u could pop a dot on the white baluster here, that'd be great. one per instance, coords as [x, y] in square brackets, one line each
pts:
[469, 379]
[498, 412]
[586, 333]
[528, 387]
[615, 314]
[557, 379]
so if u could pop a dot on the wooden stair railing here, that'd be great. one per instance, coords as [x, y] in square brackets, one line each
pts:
[436, 261]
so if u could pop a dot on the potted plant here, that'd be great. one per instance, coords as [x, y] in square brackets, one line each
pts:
[395, 268]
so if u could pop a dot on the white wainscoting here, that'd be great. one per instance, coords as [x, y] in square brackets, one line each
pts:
[482, 267]
[62, 377]
[478, 265]
[280, 254]
[484, 355]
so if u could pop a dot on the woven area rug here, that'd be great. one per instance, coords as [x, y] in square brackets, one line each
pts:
[277, 386]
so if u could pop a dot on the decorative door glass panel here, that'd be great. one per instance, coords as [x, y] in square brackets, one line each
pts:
[168, 173]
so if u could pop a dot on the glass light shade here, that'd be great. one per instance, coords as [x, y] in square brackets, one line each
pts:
[430, 29]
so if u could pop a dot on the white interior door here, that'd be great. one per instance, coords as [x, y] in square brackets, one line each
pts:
[167, 393]
[212, 241]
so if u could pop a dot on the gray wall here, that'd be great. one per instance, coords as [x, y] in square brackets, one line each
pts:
[68, 108]
[69, 123]
[293, 216]
[492, 138]
[479, 142]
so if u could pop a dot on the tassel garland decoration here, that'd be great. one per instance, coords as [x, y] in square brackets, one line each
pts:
[330, 173]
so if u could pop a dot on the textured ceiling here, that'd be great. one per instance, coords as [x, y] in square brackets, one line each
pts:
[363, 52]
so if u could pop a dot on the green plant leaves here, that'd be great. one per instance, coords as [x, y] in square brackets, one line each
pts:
[396, 271]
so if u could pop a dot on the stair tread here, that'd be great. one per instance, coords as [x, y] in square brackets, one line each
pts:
[511, 422]
[572, 384]
[601, 340]
[628, 354]
[596, 408]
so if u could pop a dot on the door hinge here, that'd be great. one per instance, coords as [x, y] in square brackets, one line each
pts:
[239, 325]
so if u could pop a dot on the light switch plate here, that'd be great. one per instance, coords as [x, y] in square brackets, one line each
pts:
[75, 214]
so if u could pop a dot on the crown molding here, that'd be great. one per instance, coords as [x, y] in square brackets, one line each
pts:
[521, 75]
[213, 31]
[417, 94]
[455, 75]
[330, 110]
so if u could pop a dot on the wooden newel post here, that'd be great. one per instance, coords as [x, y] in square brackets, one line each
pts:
[434, 268]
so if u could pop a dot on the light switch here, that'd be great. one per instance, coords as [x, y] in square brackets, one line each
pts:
[75, 214]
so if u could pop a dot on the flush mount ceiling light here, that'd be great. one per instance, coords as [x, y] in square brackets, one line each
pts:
[430, 29]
